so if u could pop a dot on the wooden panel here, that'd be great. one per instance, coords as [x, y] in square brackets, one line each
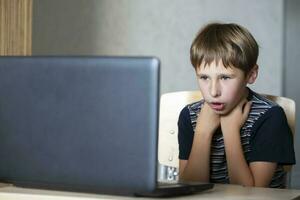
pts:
[15, 27]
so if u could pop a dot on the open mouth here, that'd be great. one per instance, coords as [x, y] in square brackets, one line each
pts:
[217, 106]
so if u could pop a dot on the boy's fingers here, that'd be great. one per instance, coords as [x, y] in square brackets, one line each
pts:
[247, 107]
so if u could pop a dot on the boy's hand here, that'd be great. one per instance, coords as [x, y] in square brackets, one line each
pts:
[208, 121]
[233, 121]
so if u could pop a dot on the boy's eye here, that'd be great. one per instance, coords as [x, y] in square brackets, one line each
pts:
[225, 77]
[203, 77]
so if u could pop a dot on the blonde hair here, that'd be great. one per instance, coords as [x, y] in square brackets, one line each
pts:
[231, 43]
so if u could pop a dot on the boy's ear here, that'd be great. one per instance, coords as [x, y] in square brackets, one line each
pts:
[252, 75]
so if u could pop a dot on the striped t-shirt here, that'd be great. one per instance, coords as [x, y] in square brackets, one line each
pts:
[265, 136]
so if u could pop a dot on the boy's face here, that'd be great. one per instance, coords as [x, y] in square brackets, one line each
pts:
[223, 88]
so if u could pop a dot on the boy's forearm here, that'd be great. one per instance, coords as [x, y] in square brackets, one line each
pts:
[238, 169]
[197, 167]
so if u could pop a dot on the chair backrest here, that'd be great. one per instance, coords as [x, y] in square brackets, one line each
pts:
[170, 106]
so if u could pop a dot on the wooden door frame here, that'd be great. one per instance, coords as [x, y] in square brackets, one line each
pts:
[15, 27]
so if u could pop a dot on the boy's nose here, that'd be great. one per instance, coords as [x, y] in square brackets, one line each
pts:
[215, 90]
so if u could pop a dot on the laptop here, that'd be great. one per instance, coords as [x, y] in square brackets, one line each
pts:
[85, 124]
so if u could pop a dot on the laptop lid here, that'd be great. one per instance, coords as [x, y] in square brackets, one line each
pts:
[79, 123]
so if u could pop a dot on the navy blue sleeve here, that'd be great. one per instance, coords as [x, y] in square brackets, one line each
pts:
[272, 139]
[185, 134]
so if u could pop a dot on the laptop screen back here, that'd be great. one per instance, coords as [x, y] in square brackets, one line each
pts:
[79, 123]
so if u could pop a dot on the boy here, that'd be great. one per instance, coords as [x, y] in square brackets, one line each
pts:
[233, 135]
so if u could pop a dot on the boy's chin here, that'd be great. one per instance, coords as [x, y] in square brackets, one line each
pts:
[222, 112]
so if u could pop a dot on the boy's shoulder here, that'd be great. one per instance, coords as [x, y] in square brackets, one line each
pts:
[263, 109]
[260, 100]
[261, 104]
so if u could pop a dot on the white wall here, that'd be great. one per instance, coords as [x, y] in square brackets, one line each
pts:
[163, 28]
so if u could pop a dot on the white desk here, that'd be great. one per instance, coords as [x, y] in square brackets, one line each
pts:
[232, 192]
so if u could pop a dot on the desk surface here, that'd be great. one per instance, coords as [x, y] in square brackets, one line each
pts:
[220, 191]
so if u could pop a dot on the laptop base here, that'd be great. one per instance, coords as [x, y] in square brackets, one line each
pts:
[177, 189]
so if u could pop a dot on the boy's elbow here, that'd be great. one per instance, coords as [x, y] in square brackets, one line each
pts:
[249, 184]
[261, 184]
[245, 182]
[253, 183]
